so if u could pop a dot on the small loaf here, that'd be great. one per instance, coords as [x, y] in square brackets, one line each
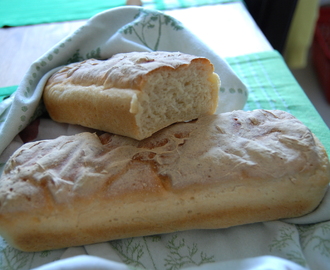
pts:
[215, 172]
[133, 94]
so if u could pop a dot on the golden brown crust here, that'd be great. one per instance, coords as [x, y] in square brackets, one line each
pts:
[215, 172]
[133, 94]
[123, 70]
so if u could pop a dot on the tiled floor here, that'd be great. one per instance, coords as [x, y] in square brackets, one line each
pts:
[309, 82]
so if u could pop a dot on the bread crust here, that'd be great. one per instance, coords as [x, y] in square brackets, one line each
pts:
[133, 94]
[218, 171]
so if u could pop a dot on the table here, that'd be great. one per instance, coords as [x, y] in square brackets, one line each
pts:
[20, 46]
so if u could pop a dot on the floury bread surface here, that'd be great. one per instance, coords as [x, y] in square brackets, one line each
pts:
[215, 172]
[133, 94]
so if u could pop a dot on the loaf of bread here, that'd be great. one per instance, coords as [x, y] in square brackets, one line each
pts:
[133, 94]
[215, 172]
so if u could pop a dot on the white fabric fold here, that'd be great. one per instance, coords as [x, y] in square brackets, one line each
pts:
[84, 262]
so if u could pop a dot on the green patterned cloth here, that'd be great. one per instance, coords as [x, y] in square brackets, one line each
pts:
[272, 86]
[23, 12]
[5, 92]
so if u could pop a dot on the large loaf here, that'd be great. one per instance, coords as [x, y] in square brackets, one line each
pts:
[133, 94]
[214, 172]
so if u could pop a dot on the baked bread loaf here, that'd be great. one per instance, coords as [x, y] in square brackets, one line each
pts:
[133, 94]
[214, 172]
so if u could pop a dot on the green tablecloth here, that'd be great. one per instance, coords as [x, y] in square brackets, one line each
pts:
[7, 91]
[23, 12]
[271, 86]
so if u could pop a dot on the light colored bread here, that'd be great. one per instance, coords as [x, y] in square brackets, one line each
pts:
[133, 94]
[219, 171]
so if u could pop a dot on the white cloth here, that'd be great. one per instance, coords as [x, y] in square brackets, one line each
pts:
[84, 262]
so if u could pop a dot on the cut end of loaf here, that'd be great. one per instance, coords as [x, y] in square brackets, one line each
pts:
[176, 95]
